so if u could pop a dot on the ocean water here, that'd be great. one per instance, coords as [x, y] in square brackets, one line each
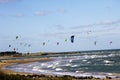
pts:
[96, 65]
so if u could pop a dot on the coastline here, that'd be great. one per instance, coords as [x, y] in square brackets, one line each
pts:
[5, 63]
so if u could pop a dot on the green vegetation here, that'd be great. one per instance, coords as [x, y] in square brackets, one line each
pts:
[4, 76]
[12, 77]
[10, 53]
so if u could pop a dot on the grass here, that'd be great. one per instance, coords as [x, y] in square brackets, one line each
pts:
[4, 76]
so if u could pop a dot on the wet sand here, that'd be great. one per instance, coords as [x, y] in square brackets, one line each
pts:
[5, 63]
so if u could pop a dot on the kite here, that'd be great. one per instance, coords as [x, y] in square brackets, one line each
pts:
[65, 40]
[43, 43]
[72, 38]
[95, 43]
[14, 49]
[57, 43]
[9, 45]
[16, 37]
[110, 42]
[29, 45]
[89, 32]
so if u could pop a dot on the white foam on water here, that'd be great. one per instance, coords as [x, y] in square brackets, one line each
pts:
[74, 65]
[36, 68]
[58, 69]
[43, 64]
[39, 70]
[70, 60]
[111, 55]
[84, 60]
[108, 62]
[68, 64]
[54, 67]
[56, 63]
[88, 62]
[79, 71]
[93, 56]
[80, 74]
[50, 66]
[42, 71]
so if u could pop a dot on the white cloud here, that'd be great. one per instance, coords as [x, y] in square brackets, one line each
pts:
[12, 15]
[41, 13]
[59, 27]
[62, 10]
[107, 22]
[103, 22]
[19, 15]
[99, 23]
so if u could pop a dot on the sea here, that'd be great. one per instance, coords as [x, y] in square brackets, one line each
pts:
[96, 64]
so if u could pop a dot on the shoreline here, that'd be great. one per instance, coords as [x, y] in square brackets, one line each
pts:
[5, 63]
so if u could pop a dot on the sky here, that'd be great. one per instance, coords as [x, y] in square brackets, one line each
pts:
[53, 21]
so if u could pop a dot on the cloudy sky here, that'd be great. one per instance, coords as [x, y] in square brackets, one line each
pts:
[53, 21]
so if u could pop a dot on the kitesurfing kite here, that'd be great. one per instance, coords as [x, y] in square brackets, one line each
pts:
[14, 49]
[9, 45]
[110, 42]
[72, 39]
[57, 43]
[29, 45]
[65, 40]
[43, 43]
[95, 43]
[16, 37]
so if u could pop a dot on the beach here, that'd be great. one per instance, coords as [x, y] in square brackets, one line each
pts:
[5, 63]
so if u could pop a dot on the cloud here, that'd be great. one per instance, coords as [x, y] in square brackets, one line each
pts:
[19, 15]
[61, 10]
[59, 27]
[12, 15]
[104, 22]
[41, 13]
[6, 1]
[56, 34]
[99, 23]
[107, 22]
[91, 32]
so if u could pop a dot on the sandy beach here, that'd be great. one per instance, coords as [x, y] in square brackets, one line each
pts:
[5, 63]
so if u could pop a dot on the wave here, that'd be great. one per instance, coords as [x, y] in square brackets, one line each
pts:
[96, 65]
